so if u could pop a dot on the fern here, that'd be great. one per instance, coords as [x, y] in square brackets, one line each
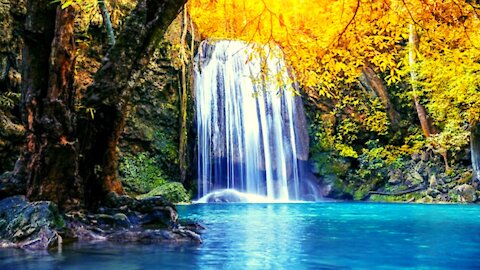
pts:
[8, 100]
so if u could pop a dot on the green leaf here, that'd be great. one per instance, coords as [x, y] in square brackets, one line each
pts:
[67, 4]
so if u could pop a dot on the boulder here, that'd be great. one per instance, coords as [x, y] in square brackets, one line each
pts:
[127, 219]
[467, 193]
[414, 178]
[395, 177]
[152, 211]
[121, 220]
[28, 225]
[433, 181]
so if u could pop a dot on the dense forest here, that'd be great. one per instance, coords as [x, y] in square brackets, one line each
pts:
[96, 96]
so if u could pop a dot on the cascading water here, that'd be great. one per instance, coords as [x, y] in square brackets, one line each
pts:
[246, 122]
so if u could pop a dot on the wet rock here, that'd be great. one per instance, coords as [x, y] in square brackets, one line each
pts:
[226, 196]
[126, 219]
[466, 193]
[414, 178]
[153, 236]
[194, 226]
[440, 181]
[102, 220]
[124, 211]
[443, 197]
[28, 225]
[395, 177]
[121, 220]
[433, 192]
[333, 187]
[432, 181]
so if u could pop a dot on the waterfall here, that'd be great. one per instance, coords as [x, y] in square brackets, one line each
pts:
[246, 121]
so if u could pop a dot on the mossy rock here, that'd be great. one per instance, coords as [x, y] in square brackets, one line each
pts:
[324, 164]
[466, 193]
[30, 225]
[172, 191]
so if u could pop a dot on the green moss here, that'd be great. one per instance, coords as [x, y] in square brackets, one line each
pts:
[167, 147]
[362, 192]
[415, 196]
[325, 163]
[56, 218]
[385, 198]
[173, 191]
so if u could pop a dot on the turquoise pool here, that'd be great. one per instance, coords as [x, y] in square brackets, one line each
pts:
[327, 235]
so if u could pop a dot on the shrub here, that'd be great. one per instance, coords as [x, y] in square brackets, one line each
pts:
[140, 173]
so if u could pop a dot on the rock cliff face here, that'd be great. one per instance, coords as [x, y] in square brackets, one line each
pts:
[153, 123]
[11, 132]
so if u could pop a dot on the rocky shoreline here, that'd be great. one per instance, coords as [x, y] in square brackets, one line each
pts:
[40, 225]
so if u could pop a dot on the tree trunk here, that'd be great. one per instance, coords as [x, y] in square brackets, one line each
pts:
[373, 83]
[475, 151]
[182, 157]
[110, 93]
[52, 157]
[425, 122]
[50, 154]
[107, 22]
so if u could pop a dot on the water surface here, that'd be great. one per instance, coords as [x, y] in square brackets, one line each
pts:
[292, 236]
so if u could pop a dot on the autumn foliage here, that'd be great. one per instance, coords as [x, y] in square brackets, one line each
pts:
[329, 43]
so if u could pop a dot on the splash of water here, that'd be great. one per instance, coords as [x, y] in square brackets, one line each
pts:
[246, 122]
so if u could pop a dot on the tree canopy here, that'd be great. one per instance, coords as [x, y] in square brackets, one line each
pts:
[329, 42]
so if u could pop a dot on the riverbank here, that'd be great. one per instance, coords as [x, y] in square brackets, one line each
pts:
[40, 225]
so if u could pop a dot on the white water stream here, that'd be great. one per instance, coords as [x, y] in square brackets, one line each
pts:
[245, 107]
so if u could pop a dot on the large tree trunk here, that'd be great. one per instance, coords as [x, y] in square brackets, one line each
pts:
[49, 157]
[52, 156]
[111, 91]
[425, 121]
[428, 127]
[475, 151]
[373, 83]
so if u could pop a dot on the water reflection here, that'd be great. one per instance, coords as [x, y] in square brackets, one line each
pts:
[292, 236]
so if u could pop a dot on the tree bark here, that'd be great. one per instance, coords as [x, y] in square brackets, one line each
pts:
[49, 157]
[475, 151]
[373, 83]
[110, 93]
[55, 150]
[107, 22]
[425, 121]
[182, 158]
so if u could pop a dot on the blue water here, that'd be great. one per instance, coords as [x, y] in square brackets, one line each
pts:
[292, 236]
